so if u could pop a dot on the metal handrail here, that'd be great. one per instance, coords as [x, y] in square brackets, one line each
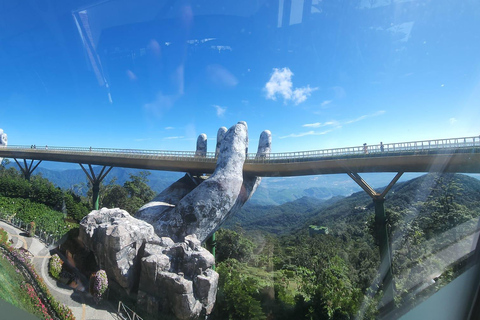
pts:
[124, 312]
[379, 149]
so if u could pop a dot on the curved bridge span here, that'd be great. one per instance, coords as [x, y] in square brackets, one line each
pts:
[445, 155]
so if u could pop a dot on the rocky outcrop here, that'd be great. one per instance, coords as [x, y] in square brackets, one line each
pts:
[116, 239]
[170, 277]
[185, 208]
[180, 274]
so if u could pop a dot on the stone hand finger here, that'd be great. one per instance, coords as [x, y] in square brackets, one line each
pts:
[250, 182]
[202, 210]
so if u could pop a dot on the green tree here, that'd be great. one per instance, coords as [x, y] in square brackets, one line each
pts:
[238, 295]
[115, 197]
[231, 244]
[137, 186]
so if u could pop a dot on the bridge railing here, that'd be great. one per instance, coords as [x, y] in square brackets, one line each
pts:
[137, 153]
[379, 149]
[365, 150]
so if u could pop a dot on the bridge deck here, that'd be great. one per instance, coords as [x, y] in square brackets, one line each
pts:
[447, 155]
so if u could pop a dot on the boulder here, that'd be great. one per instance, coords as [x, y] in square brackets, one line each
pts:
[171, 278]
[116, 238]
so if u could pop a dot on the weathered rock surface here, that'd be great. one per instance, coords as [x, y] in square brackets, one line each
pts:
[180, 273]
[171, 277]
[116, 238]
[3, 141]
[250, 183]
[220, 135]
[201, 145]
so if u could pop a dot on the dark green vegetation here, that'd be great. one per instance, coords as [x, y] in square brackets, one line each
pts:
[56, 210]
[134, 193]
[290, 273]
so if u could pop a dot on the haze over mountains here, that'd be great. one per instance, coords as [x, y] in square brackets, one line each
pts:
[272, 191]
[355, 208]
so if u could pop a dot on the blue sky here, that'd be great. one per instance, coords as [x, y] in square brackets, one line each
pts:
[317, 74]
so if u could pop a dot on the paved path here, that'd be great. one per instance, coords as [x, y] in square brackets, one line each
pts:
[81, 303]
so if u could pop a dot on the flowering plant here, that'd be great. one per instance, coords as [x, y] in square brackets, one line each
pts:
[36, 300]
[55, 266]
[99, 285]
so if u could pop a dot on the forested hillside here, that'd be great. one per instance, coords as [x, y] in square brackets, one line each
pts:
[431, 221]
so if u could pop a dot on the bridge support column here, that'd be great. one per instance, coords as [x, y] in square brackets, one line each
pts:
[381, 234]
[27, 170]
[95, 180]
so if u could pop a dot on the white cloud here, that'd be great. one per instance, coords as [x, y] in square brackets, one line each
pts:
[173, 138]
[452, 120]
[199, 41]
[169, 128]
[308, 133]
[298, 135]
[221, 48]
[325, 103]
[301, 94]
[334, 124]
[220, 110]
[366, 116]
[319, 124]
[280, 84]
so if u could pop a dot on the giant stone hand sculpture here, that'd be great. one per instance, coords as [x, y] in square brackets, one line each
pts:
[176, 276]
[3, 141]
[193, 206]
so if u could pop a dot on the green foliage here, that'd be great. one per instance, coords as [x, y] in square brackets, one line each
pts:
[134, 193]
[55, 266]
[329, 276]
[3, 237]
[46, 219]
[115, 196]
[231, 244]
[31, 230]
[137, 186]
[238, 293]
[42, 191]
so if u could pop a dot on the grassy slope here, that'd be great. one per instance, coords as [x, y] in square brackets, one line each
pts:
[10, 290]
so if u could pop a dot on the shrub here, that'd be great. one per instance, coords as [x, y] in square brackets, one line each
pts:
[55, 266]
[31, 232]
[3, 236]
[99, 284]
